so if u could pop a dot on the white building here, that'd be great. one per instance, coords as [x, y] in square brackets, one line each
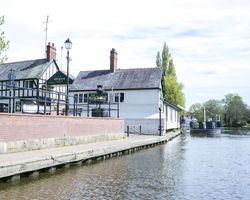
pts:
[32, 86]
[132, 94]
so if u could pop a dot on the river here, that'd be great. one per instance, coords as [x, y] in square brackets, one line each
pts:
[188, 167]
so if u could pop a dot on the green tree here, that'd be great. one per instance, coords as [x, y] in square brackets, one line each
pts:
[181, 99]
[232, 107]
[174, 92]
[247, 117]
[4, 44]
[171, 68]
[172, 89]
[196, 111]
[235, 110]
[165, 58]
[158, 59]
[214, 109]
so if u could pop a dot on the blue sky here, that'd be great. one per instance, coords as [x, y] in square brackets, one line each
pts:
[209, 39]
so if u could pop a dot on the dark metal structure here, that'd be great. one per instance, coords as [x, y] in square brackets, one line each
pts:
[68, 45]
[44, 102]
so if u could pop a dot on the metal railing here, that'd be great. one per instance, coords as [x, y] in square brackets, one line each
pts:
[48, 102]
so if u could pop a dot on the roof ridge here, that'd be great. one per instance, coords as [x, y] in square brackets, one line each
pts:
[96, 70]
[22, 61]
[119, 69]
[139, 68]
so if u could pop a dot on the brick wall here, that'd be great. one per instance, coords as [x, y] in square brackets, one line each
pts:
[22, 127]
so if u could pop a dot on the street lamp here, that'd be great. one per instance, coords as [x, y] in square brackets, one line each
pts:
[68, 45]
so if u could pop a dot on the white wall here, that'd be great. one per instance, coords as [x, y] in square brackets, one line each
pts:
[172, 118]
[141, 108]
[140, 104]
[148, 126]
[137, 104]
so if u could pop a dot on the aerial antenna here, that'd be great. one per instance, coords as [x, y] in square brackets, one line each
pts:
[46, 32]
[61, 57]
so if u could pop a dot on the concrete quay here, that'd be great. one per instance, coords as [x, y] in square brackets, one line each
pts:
[13, 166]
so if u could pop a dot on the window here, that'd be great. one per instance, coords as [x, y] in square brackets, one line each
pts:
[1, 84]
[171, 115]
[4, 107]
[28, 84]
[85, 99]
[75, 98]
[80, 98]
[122, 97]
[31, 84]
[18, 106]
[119, 97]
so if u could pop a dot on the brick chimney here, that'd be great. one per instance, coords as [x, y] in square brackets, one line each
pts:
[113, 60]
[51, 52]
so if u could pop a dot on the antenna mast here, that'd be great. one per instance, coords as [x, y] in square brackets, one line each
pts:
[46, 33]
[61, 57]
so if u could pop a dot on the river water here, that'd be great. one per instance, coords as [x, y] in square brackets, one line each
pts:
[188, 167]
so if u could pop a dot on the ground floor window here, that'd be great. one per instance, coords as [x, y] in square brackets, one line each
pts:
[119, 97]
[18, 106]
[4, 107]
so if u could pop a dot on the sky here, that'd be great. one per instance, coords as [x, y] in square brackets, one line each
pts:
[209, 40]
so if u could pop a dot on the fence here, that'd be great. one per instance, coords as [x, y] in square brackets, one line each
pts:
[48, 102]
[133, 129]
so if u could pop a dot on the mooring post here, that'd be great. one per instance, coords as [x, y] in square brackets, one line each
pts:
[127, 131]
[160, 121]
[57, 104]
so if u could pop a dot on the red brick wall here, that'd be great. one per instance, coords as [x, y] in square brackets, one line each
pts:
[14, 127]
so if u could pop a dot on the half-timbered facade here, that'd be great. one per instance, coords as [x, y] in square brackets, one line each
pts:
[24, 85]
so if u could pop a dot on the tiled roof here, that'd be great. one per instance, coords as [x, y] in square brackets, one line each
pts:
[25, 69]
[140, 78]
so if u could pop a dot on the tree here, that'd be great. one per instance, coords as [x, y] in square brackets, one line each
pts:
[214, 109]
[174, 92]
[4, 44]
[235, 110]
[165, 58]
[158, 59]
[172, 89]
[196, 111]
[247, 116]
[171, 68]
[232, 107]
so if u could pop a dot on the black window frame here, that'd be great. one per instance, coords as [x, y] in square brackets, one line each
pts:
[80, 98]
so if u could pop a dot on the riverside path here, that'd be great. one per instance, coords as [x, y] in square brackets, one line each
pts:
[30, 163]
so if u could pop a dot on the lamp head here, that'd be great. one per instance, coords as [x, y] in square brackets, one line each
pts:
[68, 44]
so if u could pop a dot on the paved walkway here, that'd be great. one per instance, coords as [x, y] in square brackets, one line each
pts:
[16, 163]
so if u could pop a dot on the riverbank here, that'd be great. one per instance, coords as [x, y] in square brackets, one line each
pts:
[13, 166]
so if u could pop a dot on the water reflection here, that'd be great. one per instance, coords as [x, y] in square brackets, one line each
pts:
[236, 131]
[185, 168]
[149, 174]
[201, 134]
